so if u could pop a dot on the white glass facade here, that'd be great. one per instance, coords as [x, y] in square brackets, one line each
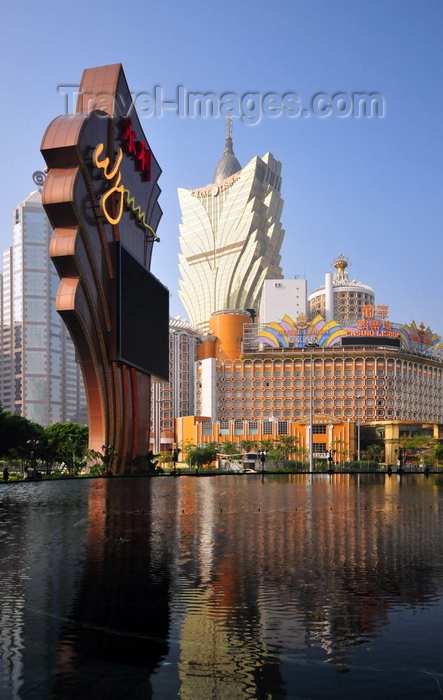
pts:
[230, 239]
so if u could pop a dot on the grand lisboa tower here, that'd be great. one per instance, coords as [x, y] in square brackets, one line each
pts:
[230, 236]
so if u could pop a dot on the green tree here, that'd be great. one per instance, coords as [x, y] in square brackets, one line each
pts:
[275, 455]
[96, 461]
[266, 445]
[249, 445]
[229, 448]
[166, 457]
[417, 449]
[286, 444]
[67, 442]
[341, 450]
[18, 436]
[201, 455]
[373, 452]
[231, 451]
[438, 453]
[152, 461]
[302, 454]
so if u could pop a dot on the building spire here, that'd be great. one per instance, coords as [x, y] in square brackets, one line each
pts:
[228, 140]
[341, 263]
[228, 164]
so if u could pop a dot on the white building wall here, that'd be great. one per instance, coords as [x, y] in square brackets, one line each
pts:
[283, 297]
[209, 389]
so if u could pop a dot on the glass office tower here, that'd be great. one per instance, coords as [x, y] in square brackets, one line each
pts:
[40, 378]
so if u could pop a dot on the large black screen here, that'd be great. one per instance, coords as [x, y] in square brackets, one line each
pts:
[143, 319]
[378, 340]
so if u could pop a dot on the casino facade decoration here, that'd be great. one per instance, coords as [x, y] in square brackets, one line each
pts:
[101, 196]
[372, 330]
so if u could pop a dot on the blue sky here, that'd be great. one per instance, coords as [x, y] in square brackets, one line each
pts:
[370, 188]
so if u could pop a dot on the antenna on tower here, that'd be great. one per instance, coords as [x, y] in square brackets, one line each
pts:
[228, 126]
[228, 140]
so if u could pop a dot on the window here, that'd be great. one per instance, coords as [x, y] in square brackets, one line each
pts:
[319, 429]
[319, 447]
[238, 427]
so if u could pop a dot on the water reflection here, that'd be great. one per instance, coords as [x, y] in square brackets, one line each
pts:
[226, 587]
[120, 613]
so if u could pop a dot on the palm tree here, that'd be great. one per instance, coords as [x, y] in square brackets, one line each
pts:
[249, 445]
[266, 445]
[286, 444]
[302, 453]
[340, 449]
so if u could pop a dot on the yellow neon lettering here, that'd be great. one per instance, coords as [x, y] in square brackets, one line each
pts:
[124, 193]
[137, 211]
[104, 164]
[120, 190]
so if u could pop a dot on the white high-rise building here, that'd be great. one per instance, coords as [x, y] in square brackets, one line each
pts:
[39, 378]
[230, 237]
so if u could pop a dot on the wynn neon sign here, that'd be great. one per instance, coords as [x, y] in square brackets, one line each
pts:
[113, 174]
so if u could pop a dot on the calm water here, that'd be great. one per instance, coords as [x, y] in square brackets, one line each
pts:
[222, 588]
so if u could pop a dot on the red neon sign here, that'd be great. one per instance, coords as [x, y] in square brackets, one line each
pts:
[136, 149]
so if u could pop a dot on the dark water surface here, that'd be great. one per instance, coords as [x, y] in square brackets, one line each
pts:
[229, 587]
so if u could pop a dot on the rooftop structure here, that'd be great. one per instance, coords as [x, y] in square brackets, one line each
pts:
[340, 298]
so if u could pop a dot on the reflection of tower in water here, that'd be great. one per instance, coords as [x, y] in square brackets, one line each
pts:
[222, 651]
[311, 563]
[121, 610]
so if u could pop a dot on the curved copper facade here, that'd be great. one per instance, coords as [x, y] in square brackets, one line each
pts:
[85, 248]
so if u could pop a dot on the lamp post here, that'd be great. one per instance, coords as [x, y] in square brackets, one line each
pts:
[358, 397]
[175, 452]
[107, 449]
[32, 458]
[400, 459]
[262, 457]
[311, 421]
